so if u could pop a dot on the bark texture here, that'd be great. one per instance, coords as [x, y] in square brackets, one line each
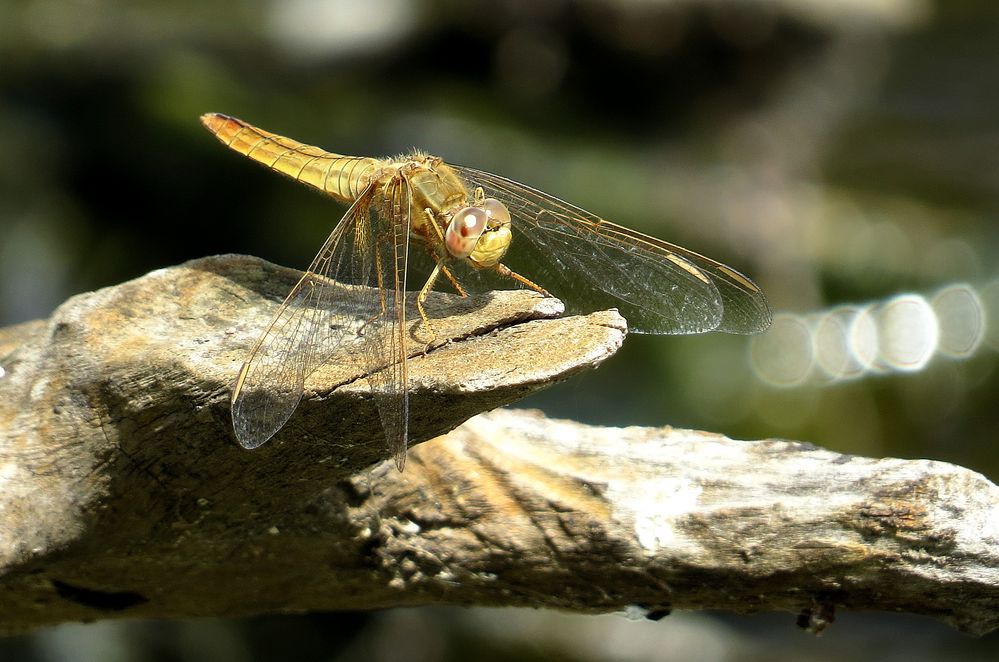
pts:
[123, 493]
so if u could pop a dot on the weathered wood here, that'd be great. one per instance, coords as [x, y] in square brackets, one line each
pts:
[123, 493]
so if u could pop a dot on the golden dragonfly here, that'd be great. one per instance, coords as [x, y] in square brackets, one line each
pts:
[466, 220]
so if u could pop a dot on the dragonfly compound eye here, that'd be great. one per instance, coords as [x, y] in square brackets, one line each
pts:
[492, 245]
[497, 211]
[464, 230]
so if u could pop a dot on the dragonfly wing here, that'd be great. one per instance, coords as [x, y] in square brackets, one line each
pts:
[317, 318]
[384, 267]
[745, 306]
[589, 262]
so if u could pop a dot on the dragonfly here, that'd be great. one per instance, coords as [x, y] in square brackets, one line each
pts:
[471, 224]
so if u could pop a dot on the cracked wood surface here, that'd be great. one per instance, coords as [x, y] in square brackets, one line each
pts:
[123, 493]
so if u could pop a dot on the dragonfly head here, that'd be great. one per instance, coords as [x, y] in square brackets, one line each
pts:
[481, 234]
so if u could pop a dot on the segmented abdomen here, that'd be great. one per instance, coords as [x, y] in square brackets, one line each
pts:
[342, 177]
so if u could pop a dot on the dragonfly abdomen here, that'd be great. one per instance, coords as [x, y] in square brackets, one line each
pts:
[341, 177]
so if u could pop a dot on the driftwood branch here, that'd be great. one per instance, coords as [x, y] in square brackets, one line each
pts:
[123, 493]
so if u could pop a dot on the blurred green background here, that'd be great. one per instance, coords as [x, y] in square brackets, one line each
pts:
[841, 153]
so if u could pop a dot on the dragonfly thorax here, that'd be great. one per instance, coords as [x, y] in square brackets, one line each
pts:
[480, 234]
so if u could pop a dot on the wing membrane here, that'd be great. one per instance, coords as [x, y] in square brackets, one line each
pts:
[589, 262]
[322, 316]
[385, 346]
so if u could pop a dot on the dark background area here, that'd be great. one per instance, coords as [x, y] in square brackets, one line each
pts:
[842, 154]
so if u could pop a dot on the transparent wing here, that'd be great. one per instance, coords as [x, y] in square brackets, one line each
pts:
[385, 343]
[591, 263]
[324, 315]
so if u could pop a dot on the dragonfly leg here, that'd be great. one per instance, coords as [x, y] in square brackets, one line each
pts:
[429, 213]
[454, 282]
[504, 270]
[421, 298]
[447, 272]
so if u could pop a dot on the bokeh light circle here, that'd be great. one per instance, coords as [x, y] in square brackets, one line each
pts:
[783, 355]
